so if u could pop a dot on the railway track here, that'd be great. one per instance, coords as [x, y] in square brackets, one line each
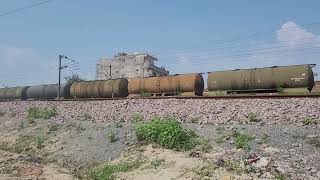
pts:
[192, 97]
[183, 97]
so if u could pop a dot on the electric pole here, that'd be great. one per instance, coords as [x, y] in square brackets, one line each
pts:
[60, 68]
[59, 82]
[110, 72]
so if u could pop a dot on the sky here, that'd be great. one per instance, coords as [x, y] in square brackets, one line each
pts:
[185, 35]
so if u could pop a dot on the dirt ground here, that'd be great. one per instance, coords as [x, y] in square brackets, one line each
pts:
[50, 149]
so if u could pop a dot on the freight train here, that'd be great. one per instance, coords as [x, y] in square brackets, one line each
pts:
[251, 80]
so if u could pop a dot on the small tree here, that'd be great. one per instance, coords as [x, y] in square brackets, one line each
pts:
[73, 78]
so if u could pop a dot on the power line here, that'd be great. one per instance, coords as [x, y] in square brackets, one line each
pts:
[24, 8]
[245, 37]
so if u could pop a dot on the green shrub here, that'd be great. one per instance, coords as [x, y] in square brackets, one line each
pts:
[108, 172]
[253, 117]
[2, 113]
[41, 113]
[242, 140]
[137, 117]
[145, 94]
[112, 137]
[167, 132]
[309, 121]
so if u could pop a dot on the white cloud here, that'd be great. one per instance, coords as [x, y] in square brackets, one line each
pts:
[293, 45]
[294, 35]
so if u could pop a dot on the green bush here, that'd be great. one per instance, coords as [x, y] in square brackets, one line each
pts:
[41, 113]
[253, 117]
[2, 113]
[309, 121]
[167, 132]
[108, 171]
[242, 140]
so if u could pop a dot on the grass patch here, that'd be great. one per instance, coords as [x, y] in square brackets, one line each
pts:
[108, 172]
[221, 139]
[144, 94]
[137, 117]
[53, 127]
[265, 139]
[2, 113]
[194, 120]
[242, 140]
[157, 162]
[309, 121]
[206, 170]
[24, 143]
[41, 113]
[203, 145]
[315, 142]
[167, 132]
[280, 177]
[253, 117]
[86, 117]
[112, 137]
[118, 124]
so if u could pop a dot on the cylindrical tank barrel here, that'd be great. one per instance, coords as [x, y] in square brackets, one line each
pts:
[262, 78]
[15, 93]
[100, 89]
[167, 84]
[3, 93]
[51, 91]
[36, 92]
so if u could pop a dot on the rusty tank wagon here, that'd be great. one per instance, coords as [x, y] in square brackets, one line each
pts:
[100, 89]
[262, 79]
[170, 85]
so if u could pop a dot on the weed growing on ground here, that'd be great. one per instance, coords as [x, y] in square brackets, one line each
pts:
[137, 117]
[2, 113]
[309, 121]
[203, 145]
[242, 140]
[265, 138]
[118, 124]
[112, 137]
[41, 113]
[157, 162]
[144, 94]
[280, 177]
[206, 170]
[194, 120]
[253, 117]
[167, 132]
[86, 117]
[53, 127]
[108, 172]
[235, 166]
[315, 142]
[39, 142]
[221, 139]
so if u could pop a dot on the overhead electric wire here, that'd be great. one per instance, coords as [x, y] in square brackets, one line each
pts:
[252, 53]
[239, 45]
[245, 37]
[24, 8]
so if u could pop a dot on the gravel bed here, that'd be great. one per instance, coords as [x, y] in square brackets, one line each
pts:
[208, 111]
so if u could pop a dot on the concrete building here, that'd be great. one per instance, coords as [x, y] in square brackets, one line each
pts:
[129, 66]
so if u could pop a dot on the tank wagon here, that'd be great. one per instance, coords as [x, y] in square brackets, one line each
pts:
[100, 89]
[48, 91]
[13, 93]
[167, 84]
[262, 79]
